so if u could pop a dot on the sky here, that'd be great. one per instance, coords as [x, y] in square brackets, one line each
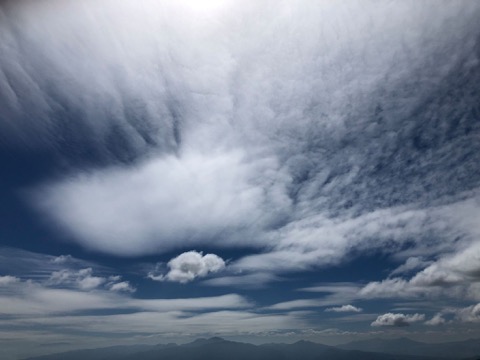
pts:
[256, 170]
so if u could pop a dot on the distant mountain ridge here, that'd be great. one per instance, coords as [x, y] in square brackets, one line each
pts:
[404, 346]
[219, 349]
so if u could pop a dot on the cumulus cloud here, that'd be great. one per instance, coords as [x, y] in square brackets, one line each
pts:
[397, 320]
[344, 308]
[122, 286]
[190, 265]
[436, 320]
[7, 280]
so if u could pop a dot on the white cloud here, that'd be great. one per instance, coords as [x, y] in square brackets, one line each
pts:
[190, 265]
[453, 275]
[207, 123]
[8, 280]
[82, 279]
[412, 263]
[397, 320]
[470, 314]
[122, 286]
[283, 130]
[296, 304]
[437, 319]
[29, 297]
[344, 308]
[189, 197]
[62, 259]
[26, 264]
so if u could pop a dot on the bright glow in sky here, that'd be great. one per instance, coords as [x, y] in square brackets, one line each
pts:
[205, 6]
[282, 169]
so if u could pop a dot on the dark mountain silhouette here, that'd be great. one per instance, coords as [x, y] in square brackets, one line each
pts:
[404, 346]
[111, 352]
[220, 349]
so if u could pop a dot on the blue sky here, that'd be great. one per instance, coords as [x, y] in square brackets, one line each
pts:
[258, 170]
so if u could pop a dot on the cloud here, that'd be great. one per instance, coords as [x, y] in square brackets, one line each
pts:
[39, 311]
[412, 263]
[8, 280]
[31, 297]
[335, 293]
[453, 275]
[249, 281]
[122, 286]
[27, 264]
[62, 259]
[397, 320]
[296, 304]
[436, 320]
[190, 265]
[469, 314]
[344, 308]
[184, 198]
[82, 279]
[331, 154]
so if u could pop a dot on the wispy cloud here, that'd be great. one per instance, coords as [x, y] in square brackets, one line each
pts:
[208, 143]
[344, 308]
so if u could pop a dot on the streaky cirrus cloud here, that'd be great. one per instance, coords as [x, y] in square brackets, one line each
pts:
[344, 308]
[188, 266]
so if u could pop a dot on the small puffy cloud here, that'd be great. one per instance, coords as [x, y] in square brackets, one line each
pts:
[122, 286]
[397, 320]
[62, 259]
[437, 319]
[7, 280]
[90, 282]
[190, 265]
[469, 314]
[82, 279]
[344, 308]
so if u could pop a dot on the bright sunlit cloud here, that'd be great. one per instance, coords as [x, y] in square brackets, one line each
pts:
[204, 7]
